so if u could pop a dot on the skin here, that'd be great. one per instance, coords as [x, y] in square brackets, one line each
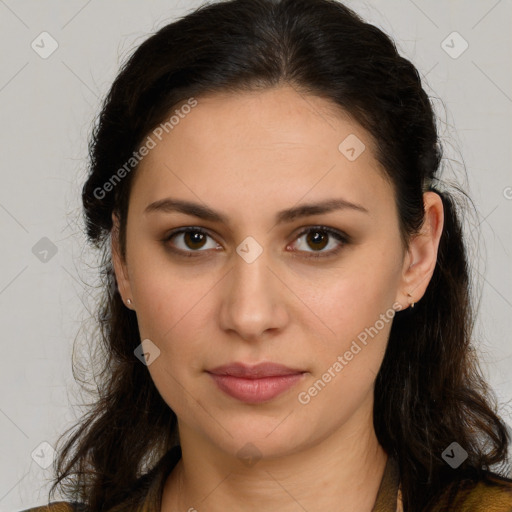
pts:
[249, 156]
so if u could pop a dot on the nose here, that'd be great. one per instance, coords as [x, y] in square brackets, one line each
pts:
[253, 299]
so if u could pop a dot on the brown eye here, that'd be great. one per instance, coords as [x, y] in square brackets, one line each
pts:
[316, 239]
[189, 240]
[194, 239]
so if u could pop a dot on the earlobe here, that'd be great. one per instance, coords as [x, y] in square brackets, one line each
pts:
[420, 263]
[119, 264]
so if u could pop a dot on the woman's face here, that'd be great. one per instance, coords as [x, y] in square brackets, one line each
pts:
[248, 284]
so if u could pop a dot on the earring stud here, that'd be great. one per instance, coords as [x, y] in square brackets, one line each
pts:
[129, 302]
[412, 303]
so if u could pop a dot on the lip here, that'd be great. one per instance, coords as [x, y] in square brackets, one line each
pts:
[255, 384]
[256, 371]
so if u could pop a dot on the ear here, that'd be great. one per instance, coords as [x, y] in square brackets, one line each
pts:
[119, 263]
[420, 260]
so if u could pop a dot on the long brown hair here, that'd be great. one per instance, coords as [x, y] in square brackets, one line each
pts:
[429, 391]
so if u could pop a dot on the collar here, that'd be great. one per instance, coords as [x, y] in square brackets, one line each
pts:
[388, 496]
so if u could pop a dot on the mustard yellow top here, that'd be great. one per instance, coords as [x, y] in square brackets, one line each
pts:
[491, 495]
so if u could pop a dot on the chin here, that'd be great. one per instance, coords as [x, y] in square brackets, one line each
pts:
[265, 437]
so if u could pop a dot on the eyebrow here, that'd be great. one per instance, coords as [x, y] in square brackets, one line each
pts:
[169, 205]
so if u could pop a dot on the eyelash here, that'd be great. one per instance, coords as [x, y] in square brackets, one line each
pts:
[341, 237]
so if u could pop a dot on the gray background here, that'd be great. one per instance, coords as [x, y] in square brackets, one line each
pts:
[47, 109]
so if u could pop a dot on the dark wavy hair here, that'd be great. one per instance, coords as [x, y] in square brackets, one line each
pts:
[429, 391]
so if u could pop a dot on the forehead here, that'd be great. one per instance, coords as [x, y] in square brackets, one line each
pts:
[277, 144]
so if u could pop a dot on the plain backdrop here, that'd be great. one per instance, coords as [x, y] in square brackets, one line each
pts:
[48, 104]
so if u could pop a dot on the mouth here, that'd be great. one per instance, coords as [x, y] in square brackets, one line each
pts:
[255, 384]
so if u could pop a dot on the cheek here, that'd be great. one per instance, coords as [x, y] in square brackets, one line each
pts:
[359, 314]
[166, 295]
[356, 311]
[172, 312]
[354, 297]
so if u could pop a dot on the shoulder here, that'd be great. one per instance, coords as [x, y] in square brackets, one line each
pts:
[492, 493]
[58, 506]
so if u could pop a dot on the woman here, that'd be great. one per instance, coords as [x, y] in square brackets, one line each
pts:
[287, 317]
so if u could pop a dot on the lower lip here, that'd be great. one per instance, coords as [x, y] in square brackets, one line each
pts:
[255, 391]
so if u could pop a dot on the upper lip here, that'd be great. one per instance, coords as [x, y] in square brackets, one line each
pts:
[257, 371]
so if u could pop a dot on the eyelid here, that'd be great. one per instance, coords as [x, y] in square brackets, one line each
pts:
[340, 236]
